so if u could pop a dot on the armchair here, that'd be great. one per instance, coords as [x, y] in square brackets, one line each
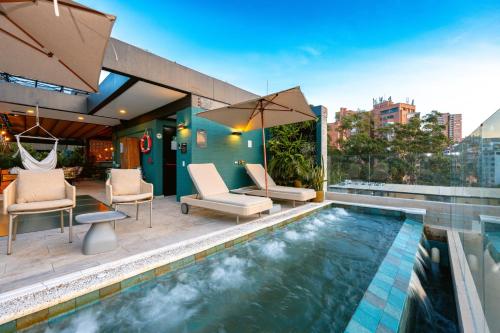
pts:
[36, 192]
[126, 187]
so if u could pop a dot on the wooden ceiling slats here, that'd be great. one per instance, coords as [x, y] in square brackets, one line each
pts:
[71, 129]
[59, 128]
[99, 131]
[84, 130]
[63, 129]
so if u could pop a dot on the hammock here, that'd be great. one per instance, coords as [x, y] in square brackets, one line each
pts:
[31, 163]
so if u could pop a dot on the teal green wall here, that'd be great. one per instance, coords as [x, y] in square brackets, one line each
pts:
[184, 184]
[152, 162]
[223, 149]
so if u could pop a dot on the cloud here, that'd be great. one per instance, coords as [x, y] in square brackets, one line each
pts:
[312, 51]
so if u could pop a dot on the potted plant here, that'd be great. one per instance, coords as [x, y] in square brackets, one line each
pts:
[317, 180]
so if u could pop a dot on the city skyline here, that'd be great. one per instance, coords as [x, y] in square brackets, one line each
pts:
[444, 55]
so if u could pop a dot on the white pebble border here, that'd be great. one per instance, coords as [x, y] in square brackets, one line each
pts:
[30, 299]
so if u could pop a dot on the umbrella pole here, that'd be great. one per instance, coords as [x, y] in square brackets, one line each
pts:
[264, 148]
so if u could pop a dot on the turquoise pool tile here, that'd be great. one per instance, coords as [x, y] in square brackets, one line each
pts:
[384, 329]
[355, 327]
[371, 309]
[377, 281]
[385, 278]
[366, 320]
[374, 300]
[393, 311]
[397, 292]
[397, 298]
[401, 284]
[390, 322]
[393, 260]
[405, 274]
[383, 294]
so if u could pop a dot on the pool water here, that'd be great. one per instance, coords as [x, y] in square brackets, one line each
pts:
[307, 277]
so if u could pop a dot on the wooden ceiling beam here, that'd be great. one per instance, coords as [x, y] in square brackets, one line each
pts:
[84, 130]
[59, 127]
[71, 129]
[97, 131]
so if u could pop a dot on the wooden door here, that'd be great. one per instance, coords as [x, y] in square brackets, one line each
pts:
[130, 153]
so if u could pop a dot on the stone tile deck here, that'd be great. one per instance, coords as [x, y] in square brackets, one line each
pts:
[43, 255]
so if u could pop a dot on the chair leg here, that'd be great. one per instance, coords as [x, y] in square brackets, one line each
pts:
[14, 222]
[9, 241]
[136, 211]
[114, 224]
[237, 219]
[71, 225]
[293, 203]
[62, 221]
[151, 214]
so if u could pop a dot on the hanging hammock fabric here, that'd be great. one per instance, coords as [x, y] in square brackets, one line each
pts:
[30, 163]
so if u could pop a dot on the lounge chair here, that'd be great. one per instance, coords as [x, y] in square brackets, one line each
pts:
[126, 187]
[36, 192]
[214, 194]
[257, 173]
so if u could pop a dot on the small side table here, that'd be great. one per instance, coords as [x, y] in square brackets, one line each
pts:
[101, 236]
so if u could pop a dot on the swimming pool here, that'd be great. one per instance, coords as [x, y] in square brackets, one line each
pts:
[309, 276]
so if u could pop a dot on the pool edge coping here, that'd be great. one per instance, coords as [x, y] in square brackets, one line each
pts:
[383, 306]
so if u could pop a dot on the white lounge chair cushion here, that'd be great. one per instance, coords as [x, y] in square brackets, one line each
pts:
[40, 206]
[207, 179]
[126, 181]
[301, 194]
[257, 173]
[35, 186]
[292, 190]
[237, 199]
[131, 197]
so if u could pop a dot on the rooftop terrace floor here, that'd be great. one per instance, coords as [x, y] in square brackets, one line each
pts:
[42, 255]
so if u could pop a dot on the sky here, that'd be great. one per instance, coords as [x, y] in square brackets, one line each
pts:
[444, 54]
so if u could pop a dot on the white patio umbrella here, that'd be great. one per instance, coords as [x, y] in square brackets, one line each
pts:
[59, 42]
[281, 108]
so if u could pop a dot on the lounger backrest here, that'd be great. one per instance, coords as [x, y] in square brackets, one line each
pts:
[206, 179]
[257, 173]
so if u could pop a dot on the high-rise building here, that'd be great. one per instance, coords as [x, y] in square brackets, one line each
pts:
[335, 133]
[385, 112]
[452, 126]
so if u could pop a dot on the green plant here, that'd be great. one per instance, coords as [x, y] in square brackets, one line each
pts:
[71, 158]
[317, 176]
[291, 149]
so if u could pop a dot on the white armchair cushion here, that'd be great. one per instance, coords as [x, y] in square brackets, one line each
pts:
[126, 181]
[132, 197]
[35, 186]
[40, 206]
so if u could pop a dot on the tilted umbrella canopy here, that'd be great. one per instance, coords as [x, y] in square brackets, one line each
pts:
[281, 108]
[66, 50]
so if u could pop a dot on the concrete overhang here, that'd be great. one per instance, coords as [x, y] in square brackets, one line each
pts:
[17, 99]
[129, 60]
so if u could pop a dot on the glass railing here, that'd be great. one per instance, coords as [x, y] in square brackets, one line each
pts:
[460, 189]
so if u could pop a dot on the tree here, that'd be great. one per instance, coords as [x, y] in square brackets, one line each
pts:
[395, 152]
